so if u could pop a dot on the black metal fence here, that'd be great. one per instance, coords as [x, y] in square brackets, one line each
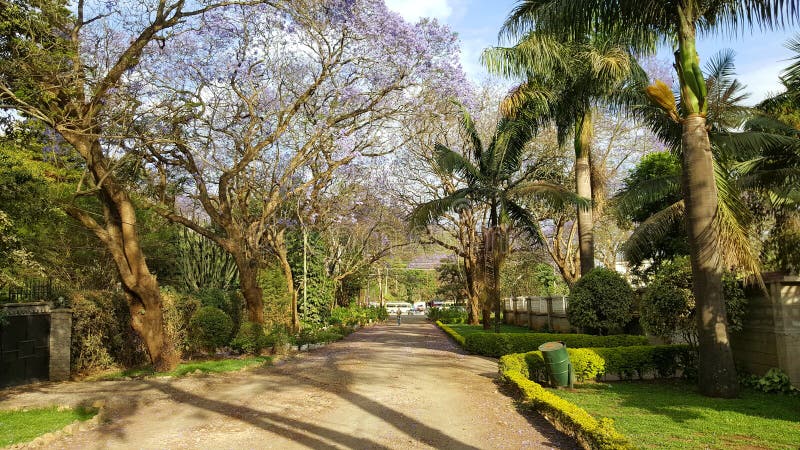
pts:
[34, 290]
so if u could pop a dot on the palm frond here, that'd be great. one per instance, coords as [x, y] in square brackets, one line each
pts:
[652, 230]
[453, 162]
[733, 225]
[468, 125]
[632, 197]
[428, 212]
[552, 195]
[523, 219]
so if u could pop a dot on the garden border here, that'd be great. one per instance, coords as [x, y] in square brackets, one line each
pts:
[570, 419]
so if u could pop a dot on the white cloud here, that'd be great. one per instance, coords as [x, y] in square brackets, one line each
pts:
[412, 10]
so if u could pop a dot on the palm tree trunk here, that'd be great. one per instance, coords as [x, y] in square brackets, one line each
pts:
[716, 370]
[584, 133]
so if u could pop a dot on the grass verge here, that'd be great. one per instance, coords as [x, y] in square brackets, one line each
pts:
[23, 426]
[670, 414]
[211, 366]
[465, 330]
[572, 420]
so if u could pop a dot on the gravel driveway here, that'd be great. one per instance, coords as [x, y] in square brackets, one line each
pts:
[383, 387]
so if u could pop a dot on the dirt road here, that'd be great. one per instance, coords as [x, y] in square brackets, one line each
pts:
[383, 387]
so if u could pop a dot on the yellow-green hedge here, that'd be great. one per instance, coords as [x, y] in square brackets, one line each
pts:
[624, 362]
[499, 344]
[453, 334]
[565, 416]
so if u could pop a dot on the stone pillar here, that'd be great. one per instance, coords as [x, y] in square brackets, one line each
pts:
[60, 339]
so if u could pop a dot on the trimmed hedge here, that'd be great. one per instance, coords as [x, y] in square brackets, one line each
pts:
[565, 416]
[624, 362]
[499, 344]
[452, 333]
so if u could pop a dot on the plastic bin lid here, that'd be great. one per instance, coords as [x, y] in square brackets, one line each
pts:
[551, 346]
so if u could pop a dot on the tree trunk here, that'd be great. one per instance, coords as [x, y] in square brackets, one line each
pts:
[473, 297]
[717, 373]
[716, 370]
[147, 320]
[583, 186]
[283, 257]
[251, 291]
[119, 235]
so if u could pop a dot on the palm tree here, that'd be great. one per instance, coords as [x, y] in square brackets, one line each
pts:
[725, 114]
[564, 79]
[495, 177]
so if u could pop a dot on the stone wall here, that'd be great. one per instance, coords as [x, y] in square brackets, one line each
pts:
[60, 338]
[771, 333]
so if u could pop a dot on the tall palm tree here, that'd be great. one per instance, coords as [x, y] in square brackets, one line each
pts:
[678, 22]
[729, 147]
[564, 79]
[496, 177]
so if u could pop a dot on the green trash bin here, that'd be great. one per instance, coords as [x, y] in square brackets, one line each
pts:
[556, 359]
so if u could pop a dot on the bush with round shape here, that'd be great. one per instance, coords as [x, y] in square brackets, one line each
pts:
[250, 339]
[601, 301]
[667, 309]
[209, 329]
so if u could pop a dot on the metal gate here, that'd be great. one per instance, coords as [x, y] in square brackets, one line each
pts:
[24, 349]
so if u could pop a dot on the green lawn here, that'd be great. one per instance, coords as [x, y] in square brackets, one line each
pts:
[671, 414]
[466, 330]
[23, 426]
[212, 366]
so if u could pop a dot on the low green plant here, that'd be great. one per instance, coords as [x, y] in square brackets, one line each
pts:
[311, 334]
[190, 367]
[210, 328]
[774, 381]
[602, 300]
[250, 339]
[499, 344]
[571, 419]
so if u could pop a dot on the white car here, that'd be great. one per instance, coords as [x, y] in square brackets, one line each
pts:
[403, 307]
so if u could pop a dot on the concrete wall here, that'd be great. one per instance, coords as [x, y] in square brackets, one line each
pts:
[537, 313]
[771, 333]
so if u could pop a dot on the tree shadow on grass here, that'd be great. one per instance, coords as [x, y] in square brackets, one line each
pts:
[680, 401]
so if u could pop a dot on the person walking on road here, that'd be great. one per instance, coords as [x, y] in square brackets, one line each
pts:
[399, 316]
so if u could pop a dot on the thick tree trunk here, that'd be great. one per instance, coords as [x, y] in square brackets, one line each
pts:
[251, 291]
[717, 373]
[118, 234]
[147, 321]
[583, 186]
[716, 370]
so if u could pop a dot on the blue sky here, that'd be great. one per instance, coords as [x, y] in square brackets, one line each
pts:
[759, 56]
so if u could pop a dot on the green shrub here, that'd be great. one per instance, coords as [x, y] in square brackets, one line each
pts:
[311, 334]
[452, 333]
[601, 300]
[178, 308]
[624, 362]
[668, 305]
[357, 315]
[250, 339]
[230, 302]
[774, 381]
[101, 333]
[499, 344]
[566, 416]
[210, 328]
[451, 314]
